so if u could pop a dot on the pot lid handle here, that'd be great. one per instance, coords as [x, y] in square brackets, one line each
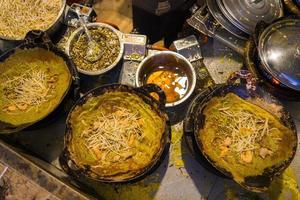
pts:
[38, 37]
[152, 88]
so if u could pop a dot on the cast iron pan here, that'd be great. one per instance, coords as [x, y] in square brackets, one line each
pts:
[41, 40]
[70, 167]
[188, 125]
[196, 119]
[253, 64]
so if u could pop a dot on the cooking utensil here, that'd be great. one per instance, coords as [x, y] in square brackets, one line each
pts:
[230, 17]
[243, 15]
[167, 59]
[246, 13]
[277, 55]
[195, 121]
[279, 51]
[223, 21]
[94, 51]
[8, 43]
[69, 165]
[232, 22]
[77, 32]
[41, 40]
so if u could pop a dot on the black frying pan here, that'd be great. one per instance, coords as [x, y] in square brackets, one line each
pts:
[70, 167]
[195, 122]
[40, 39]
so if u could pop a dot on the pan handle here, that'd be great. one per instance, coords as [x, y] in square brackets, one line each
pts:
[150, 88]
[64, 162]
[189, 121]
[38, 37]
[244, 75]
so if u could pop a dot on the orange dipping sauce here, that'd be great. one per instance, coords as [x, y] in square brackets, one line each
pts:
[172, 80]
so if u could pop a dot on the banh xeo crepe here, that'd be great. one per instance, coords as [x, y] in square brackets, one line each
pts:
[243, 138]
[33, 82]
[117, 134]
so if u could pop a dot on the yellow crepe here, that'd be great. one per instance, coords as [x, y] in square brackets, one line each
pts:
[227, 152]
[116, 165]
[33, 83]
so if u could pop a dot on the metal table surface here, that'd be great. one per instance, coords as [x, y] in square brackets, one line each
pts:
[180, 176]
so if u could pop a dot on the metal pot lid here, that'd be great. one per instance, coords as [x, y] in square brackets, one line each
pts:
[279, 51]
[246, 13]
[222, 20]
[229, 17]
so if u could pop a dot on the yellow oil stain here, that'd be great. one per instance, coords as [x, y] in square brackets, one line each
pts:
[231, 194]
[135, 191]
[176, 149]
[285, 186]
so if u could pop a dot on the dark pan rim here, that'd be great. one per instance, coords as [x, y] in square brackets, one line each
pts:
[267, 172]
[9, 128]
[165, 140]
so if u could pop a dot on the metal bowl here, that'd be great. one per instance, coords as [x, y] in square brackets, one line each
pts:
[79, 31]
[167, 58]
[7, 43]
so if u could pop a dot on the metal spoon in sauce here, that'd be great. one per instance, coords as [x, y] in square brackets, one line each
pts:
[94, 51]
